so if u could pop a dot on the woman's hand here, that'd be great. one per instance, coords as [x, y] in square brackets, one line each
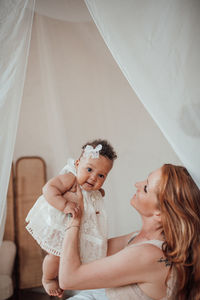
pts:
[71, 209]
[77, 210]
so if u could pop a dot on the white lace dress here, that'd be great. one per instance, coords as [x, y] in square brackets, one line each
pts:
[47, 225]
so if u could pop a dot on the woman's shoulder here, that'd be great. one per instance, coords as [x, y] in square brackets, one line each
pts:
[148, 255]
[148, 248]
[141, 264]
[150, 260]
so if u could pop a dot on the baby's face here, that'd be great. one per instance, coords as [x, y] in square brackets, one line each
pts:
[92, 172]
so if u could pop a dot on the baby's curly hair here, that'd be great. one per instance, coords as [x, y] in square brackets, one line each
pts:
[106, 151]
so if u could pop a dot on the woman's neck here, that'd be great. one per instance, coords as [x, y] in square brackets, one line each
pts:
[151, 230]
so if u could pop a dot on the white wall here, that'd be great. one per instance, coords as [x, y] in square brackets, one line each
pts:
[75, 92]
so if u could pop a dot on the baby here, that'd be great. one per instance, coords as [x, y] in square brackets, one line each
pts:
[49, 217]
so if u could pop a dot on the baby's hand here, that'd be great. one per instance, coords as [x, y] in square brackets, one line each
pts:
[71, 208]
[102, 192]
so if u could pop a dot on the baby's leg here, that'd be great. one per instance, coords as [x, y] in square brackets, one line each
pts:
[50, 275]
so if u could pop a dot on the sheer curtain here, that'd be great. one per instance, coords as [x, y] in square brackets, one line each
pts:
[157, 44]
[16, 18]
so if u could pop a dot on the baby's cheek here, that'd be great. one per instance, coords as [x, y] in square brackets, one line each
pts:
[79, 179]
[99, 185]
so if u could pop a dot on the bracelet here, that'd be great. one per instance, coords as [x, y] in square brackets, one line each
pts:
[71, 227]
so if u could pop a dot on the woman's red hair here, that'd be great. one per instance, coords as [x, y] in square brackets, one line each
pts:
[179, 201]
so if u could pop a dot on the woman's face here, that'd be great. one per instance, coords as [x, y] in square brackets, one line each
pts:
[145, 200]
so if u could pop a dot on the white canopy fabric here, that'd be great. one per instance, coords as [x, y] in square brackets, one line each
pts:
[16, 18]
[157, 44]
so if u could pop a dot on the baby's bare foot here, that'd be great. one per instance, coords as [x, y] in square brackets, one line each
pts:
[52, 287]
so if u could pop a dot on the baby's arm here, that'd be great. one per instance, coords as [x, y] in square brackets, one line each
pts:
[56, 187]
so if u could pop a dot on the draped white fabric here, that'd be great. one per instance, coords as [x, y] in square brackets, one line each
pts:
[75, 92]
[71, 74]
[15, 22]
[157, 45]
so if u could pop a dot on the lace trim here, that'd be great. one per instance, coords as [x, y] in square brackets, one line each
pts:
[43, 244]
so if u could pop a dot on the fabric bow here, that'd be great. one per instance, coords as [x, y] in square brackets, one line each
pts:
[89, 151]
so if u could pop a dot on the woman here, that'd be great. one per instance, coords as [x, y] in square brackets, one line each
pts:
[161, 261]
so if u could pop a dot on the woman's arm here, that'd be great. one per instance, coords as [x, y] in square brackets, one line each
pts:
[133, 264]
[56, 187]
[130, 265]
